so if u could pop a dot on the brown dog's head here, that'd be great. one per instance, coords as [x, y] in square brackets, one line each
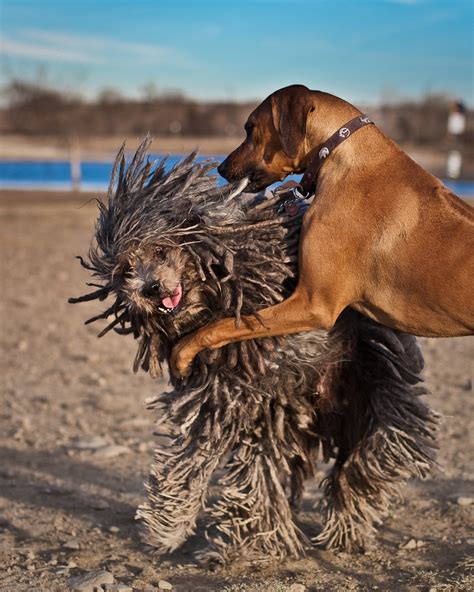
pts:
[275, 142]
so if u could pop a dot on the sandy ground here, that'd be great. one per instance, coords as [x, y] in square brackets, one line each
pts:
[67, 501]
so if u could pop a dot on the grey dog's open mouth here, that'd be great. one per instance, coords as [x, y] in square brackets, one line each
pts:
[171, 302]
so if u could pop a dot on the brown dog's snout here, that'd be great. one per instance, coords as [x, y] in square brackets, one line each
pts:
[230, 170]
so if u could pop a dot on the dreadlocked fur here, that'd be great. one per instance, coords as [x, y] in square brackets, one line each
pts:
[263, 410]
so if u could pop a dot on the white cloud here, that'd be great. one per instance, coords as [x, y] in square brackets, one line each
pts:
[11, 47]
[87, 49]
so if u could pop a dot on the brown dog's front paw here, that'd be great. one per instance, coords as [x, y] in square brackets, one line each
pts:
[181, 359]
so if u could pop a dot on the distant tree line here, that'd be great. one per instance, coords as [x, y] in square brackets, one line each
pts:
[35, 109]
[32, 109]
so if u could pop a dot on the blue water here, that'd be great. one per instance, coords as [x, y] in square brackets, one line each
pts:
[56, 175]
[25, 174]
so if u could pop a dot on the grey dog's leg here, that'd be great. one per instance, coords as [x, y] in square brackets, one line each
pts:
[253, 514]
[177, 488]
[395, 440]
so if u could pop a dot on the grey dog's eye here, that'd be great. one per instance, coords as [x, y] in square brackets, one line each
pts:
[160, 254]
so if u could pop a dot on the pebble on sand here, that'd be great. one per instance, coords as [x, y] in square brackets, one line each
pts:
[91, 443]
[112, 451]
[412, 544]
[463, 500]
[297, 588]
[89, 582]
[72, 545]
[164, 585]
[100, 504]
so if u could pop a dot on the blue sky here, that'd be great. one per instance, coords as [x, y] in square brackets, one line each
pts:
[362, 50]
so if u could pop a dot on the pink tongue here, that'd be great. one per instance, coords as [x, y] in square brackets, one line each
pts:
[175, 298]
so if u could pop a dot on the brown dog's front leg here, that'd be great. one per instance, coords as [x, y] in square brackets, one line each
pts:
[294, 315]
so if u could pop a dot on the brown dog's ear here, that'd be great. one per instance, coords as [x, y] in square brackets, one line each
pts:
[290, 108]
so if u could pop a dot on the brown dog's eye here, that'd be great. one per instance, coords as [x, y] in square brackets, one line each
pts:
[249, 128]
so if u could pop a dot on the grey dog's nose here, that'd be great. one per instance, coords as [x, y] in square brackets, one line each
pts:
[151, 289]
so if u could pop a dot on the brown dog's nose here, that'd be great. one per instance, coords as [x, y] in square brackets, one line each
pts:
[221, 169]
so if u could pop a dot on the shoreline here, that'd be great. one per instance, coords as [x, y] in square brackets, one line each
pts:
[104, 149]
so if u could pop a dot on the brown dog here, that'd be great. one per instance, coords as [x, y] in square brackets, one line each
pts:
[382, 235]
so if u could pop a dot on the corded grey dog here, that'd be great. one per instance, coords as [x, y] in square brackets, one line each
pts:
[175, 252]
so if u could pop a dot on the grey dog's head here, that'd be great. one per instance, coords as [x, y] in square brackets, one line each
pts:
[174, 251]
[161, 281]
[152, 279]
